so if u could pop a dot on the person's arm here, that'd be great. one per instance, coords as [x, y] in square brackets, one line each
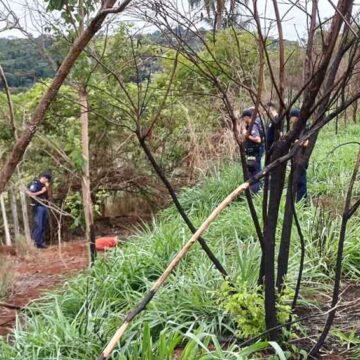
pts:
[254, 136]
[43, 190]
[255, 139]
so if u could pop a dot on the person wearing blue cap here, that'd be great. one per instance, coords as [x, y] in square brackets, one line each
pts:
[301, 181]
[253, 148]
[39, 189]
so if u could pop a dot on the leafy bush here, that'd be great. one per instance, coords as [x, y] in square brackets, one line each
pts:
[246, 305]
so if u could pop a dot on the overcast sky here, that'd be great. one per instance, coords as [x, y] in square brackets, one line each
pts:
[294, 24]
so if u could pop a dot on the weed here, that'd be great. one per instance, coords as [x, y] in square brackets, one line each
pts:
[6, 277]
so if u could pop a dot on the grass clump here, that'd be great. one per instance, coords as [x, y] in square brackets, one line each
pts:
[6, 277]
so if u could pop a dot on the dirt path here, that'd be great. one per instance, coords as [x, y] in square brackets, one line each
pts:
[39, 272]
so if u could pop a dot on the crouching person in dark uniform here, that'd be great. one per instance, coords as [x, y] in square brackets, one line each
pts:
[253, 148]
[39, 188]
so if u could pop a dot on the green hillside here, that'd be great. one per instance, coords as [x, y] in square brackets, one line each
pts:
[22, 62]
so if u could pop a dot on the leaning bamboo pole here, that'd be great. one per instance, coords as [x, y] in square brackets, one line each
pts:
[161, 280]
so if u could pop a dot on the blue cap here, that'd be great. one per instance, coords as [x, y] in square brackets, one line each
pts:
[294, 113]
[246, 113]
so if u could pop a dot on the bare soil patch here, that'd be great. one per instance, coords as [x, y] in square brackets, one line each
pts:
[42, 270]
[38, 272]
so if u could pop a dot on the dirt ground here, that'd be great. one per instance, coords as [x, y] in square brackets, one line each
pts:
[41, 270]
[38, 272]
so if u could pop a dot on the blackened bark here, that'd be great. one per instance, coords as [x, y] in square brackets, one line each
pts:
[276, 186]
[253, 213]
[302, 254]
[283, 256]
[92, 236]
[180, 209]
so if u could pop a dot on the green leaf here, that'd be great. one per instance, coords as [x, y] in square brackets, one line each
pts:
[278, 350]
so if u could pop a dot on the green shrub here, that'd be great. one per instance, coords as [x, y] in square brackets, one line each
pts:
[246, 305]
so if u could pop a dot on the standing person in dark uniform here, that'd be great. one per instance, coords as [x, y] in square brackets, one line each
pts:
[301, 181]
[39, 188]
[253, 148]
[273, 126]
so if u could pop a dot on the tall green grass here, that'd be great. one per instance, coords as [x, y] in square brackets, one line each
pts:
[76, 321]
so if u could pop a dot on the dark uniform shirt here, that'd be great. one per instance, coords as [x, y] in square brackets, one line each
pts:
[36, 186]
[252, 148]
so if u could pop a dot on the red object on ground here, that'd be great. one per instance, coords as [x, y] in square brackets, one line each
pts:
[105, 243]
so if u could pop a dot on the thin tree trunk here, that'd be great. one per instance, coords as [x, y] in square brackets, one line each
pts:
[80, 43]
[10, 103]
[14, 212]
[5, 221]
[284, 248]
[85, 179]
[355, 108]
[347, 213]
[276, 186]
[179, 207]
[25, 216]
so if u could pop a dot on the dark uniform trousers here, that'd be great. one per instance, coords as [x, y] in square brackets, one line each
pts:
[40, 214]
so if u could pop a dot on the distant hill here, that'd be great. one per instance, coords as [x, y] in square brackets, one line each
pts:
[22, 63]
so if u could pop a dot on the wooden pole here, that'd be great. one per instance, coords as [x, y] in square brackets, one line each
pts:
[161, 280]
[25, 216]
[85, 179]
[5, 220]
[14, 212]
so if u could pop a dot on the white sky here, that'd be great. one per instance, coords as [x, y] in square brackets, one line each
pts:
[294, 24]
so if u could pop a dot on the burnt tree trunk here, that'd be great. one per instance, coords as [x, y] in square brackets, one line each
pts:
[276, 184]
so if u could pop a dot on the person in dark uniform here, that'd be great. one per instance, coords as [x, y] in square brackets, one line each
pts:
[301, 183]
[253, 148]
[274, 124]
[39, 188]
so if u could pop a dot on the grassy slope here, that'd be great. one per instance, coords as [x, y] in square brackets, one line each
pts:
[76, 321]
